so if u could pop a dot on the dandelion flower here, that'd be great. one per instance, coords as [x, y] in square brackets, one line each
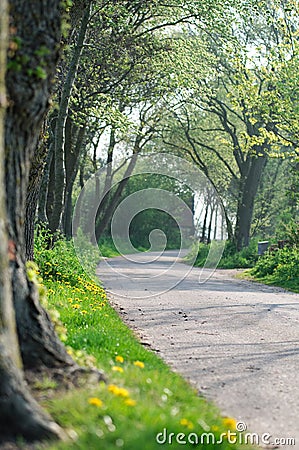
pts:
[95, 401]
[119, 392]
[230, 423]
[130, 402]
[119, 359]
[187, 423]
[139, 364]
[117, 369]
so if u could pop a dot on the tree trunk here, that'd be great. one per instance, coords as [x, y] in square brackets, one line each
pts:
[35, 179]
[42, 215]
[204, 226]
[72, 161]
[29, 92]
[20, 415]
[61, 122]
[249, 185]
[210, 224]
[103, 222]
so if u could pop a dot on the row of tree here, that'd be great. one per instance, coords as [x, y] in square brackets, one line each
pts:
[178, 78]
[212, 81]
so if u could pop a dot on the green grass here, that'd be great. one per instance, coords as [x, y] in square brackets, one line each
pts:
[163, 399]
[142, 396]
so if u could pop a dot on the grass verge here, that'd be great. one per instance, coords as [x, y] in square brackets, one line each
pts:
[142, 397]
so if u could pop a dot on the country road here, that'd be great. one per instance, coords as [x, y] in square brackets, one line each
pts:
[236, 340]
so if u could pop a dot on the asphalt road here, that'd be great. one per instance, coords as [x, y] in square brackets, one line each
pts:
[237, 341]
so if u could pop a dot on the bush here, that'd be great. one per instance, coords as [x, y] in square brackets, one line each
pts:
[245, 258]
[60, 263]
[282, 264]
[107, 247]
[231, 259]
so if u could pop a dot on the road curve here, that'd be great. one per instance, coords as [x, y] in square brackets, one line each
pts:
[237, 341]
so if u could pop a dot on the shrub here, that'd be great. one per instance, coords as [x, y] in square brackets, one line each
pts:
[282, 264]
[231, 259]
[60, 263]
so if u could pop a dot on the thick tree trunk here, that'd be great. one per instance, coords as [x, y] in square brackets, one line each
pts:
[249, 185]
[42, 216]
[72, 161]
[104, 220]
[35, 179]
[37, 25]
[56, 216]
[20, 415]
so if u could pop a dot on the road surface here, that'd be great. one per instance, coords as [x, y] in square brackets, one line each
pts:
[236, 340]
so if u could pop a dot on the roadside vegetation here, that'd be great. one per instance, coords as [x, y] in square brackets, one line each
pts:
[141, 396]
[277, 266]
[231, 258]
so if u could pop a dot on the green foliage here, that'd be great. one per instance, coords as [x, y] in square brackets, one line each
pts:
[107, 247]
[291, 232]
[243, 259]
[281, 267]
[231, 259]
[59, 262]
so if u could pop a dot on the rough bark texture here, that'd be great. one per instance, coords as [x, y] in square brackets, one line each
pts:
[249, 185]
[20, 415]
[110, 208]
[35, 179]
[42, 216]
[73, 148]
[32, 64]
[59, 142]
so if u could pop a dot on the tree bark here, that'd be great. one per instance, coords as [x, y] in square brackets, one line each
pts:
[59, 141]
[42, 215]
[249, 185]
[35, 179]
[72, 161]
[37, 25]
[104, 220]
[20, 415]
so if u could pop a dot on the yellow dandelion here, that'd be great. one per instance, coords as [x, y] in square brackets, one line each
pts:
[139, 364]
[95, 401]
[76, 306]
[230, 423]
[119, 359]
[187, 423]
[130, 402]
[117, 369]
[119, 392]
[83, 311]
